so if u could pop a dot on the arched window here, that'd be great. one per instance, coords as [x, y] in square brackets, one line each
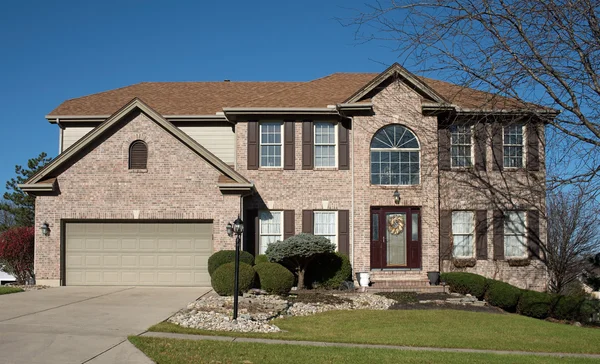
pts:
[395, 157]
[138, 155]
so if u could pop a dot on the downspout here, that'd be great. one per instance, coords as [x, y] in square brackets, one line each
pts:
[352, 202]
[60, 136]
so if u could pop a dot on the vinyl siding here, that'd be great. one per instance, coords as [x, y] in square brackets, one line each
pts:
[219, 140]
[71, 134]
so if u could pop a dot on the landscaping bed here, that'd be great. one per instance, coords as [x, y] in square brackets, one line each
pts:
[437, 301]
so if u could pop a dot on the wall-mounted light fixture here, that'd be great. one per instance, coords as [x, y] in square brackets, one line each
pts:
[396, 197]
[45, 229]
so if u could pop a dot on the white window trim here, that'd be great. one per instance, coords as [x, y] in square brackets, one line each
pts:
[525, 238]
[260, 233]
[472, 234]
[336, 228]
[397, 150]
[472, 149]
[523, 154]
[260, 144]
[336, 145]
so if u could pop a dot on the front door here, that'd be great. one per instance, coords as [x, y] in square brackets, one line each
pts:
[395, 237]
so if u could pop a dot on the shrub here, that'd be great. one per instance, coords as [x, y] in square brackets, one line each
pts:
[274, 278]
[503, 295]
[261, 258]
[465, 283]
[16, 252]
[329, 271]
[222, 280]
[227, 256]
[535, 304]
[297, 252]
[568, 308]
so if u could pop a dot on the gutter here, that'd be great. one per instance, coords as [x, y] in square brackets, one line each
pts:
[58, 119]
[236, 187]
[36, 187]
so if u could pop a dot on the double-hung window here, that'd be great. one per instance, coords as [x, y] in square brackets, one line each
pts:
[270, 228]
[513, 146]
[461, 138]
[325, 224]
[463, 232]
[325, 145]
[514, 234]
[271, 149]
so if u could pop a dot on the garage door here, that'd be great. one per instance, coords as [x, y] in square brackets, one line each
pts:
[157, 254]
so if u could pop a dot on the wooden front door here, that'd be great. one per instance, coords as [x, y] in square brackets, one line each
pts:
[395, 237]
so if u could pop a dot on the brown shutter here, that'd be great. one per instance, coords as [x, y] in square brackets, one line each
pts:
[138, 155]
[307, 221]
[533, 150]
[481, 234]
[307, 145]
[480, 147]
[533, 234]
[344, 232]
[343, 146]
[498, 235]
[289, 228]
[289, 147]
[253, 138]
[444, 149]
[445, 232]
[497, 147]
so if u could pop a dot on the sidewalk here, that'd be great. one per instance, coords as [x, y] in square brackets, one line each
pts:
[317, 343]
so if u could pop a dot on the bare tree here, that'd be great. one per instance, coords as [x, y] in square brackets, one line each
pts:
[573, 236]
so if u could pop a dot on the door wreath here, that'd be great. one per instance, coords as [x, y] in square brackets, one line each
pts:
[396, 224]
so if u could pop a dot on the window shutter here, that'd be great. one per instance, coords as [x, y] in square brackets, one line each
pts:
[498, 235]
[533, 150]
[253, 141]
[307, 145]
[344, 232]
[480, 147]
[533, 234]
[289, 228]
[481, 234]
[289, 148]
[307, 221]
[138, 155]
[444, 149]
[445, 232]
[343, 146]
[497, 147]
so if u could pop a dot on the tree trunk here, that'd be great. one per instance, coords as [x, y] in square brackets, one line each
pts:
[301, 278]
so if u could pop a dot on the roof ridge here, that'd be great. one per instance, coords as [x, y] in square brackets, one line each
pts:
[102, 92]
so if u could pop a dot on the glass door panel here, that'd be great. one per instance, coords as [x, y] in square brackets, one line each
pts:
[396, 239]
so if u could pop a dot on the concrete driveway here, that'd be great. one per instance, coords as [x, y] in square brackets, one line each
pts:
[83, 324]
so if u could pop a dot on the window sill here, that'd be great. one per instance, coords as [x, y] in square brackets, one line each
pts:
[394, 187]
[326, 169]
[138, 171]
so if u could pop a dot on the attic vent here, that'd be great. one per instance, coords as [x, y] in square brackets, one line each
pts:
[138, 155]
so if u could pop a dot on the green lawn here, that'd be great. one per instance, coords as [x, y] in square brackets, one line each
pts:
[7, 290]
[432, 328]
[175, 351]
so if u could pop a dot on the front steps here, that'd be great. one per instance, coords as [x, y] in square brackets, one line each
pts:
[402, 281]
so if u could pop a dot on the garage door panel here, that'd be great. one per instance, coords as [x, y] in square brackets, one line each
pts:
[111, 261]
[129, 244]
[166, 244]
[147, 261]
[148, 244]
[129, 261]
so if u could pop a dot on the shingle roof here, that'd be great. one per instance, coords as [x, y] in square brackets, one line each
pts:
[207, 98]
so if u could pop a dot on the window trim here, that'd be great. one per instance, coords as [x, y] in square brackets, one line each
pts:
[472, 149]
[525, 235]
[335, 145]
[523, 146]
[336, 225]
[419, 150]
[473, 242]
[260, 234]
[260, 144]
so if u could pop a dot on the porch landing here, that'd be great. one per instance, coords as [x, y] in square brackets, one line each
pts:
[401, 281]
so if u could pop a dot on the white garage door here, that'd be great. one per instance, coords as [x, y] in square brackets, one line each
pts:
[153, 254]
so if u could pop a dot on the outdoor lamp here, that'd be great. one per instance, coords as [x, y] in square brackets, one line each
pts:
[238, 226]
[45, 229]
[229, 229]
[396, 197]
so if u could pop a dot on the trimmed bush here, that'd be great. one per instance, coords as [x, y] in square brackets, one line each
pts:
[274, 278]
[535, 304]
[503, 295]
[465, 283]
[222, 280]
[261, 258]
[329, 271]
[568, 308]
[227, 256]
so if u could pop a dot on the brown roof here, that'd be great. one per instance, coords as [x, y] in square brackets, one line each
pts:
[207, 98]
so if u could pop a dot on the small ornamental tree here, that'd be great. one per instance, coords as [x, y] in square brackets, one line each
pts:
[16, 252]
[297, 252]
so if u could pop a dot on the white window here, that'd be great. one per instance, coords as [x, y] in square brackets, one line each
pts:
[325, 224]
[514, 235]
[461, 137]
[270, 229]
[325, 142]
[513, 146]
[463, 232]
[271, 144]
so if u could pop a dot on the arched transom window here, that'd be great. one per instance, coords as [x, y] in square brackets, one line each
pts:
[395, 157]
[138, 155]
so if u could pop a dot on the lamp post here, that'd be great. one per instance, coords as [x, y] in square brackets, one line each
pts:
[237, 228]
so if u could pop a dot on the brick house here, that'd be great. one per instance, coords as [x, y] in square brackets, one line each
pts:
[404, 174]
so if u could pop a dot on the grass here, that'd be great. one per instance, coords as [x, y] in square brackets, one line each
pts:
[174, 351]
[8, 290]
[431, 328]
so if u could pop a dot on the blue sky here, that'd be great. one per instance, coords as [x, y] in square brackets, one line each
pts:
[55, 50]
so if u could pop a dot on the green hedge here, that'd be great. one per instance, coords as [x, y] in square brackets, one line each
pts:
[274, 278]
[535, 304]
[503, 295]
[329, 271]
[261, 258]
[227, 256]
[222, 279]
[465, 283]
